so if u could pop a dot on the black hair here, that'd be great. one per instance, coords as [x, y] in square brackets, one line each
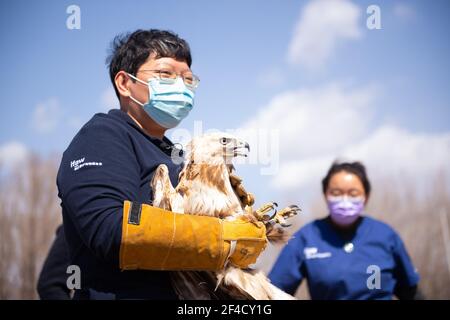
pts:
[129, 51]
[356, 168]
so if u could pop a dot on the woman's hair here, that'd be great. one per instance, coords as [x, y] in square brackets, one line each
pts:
[356, 168]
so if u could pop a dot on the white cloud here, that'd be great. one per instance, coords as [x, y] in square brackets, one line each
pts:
[12, 153]
[388, 151]
[108, 100]
[316, 126]
[391, 149]
[322, 24]
[404, 11]
[46, 116]
[313, 121]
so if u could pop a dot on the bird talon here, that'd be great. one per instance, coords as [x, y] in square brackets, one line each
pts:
[263, 213]
[267, 216]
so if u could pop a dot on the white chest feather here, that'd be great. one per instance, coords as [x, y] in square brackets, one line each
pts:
[209, 201]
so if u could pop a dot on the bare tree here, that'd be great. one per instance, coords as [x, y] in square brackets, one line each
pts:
[7, 250]
[30, 214]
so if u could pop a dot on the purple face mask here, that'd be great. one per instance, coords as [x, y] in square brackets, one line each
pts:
[345, 210]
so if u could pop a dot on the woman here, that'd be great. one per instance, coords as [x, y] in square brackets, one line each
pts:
[346, 255]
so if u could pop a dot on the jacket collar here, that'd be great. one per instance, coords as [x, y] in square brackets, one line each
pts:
[165, 144]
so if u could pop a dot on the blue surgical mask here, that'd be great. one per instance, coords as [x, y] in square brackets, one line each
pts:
[169, 103]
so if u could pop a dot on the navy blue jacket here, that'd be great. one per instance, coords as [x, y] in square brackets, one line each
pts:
[110, 160]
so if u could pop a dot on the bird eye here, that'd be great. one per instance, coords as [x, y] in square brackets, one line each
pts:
[223, 140]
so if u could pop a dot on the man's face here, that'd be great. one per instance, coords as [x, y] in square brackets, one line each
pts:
[150, 69]
[129, 87]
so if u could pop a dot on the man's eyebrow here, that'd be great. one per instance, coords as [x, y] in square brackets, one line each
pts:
[165, 64]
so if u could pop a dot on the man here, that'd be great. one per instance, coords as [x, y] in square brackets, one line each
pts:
[121, 243]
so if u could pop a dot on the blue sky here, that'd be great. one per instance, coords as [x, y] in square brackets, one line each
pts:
[390, 84]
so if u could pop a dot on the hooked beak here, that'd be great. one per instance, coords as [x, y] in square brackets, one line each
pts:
[238, 149]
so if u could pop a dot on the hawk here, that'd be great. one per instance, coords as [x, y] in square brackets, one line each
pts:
[208, 186]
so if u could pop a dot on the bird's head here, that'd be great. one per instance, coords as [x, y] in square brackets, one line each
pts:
[217, 148]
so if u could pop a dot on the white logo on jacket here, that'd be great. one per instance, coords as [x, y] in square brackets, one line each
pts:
[313, 253]
[78, 164]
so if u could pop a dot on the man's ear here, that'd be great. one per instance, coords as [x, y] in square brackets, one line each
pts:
[122, 83]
